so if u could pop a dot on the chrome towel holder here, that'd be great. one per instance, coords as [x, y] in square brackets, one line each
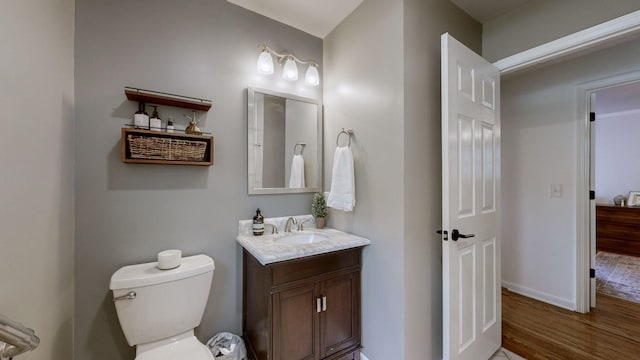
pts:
[348, 132]
[15, 338]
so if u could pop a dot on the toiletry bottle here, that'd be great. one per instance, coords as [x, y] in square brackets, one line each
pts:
[170, 127]
[155, 123]
[141, 118]
[258, 224]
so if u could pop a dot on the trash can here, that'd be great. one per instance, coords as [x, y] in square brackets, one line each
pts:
[227, 346]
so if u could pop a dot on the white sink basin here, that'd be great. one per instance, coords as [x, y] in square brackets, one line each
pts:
[302, 238]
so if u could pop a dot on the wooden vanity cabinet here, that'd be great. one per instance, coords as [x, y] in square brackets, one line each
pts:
[303, 309]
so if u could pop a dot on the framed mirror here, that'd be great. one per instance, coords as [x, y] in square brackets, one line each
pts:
[284, 143]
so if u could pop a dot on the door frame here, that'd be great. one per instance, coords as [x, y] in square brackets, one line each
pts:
[584, 216]
[622, 28]
[600, 35]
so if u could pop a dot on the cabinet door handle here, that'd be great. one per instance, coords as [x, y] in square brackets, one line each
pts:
[318, 305]
[324, 303]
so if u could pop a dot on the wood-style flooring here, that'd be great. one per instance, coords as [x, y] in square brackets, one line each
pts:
[536, 330]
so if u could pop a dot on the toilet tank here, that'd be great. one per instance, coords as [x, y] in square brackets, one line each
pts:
[166, 303]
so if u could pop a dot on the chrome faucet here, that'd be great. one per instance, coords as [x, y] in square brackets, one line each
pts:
[290, 222]
[300, 228]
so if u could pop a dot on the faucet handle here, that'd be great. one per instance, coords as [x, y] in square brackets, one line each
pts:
[274, 229]
[300, 228]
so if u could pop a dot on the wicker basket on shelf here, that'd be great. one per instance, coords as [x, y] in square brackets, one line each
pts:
[164, 148]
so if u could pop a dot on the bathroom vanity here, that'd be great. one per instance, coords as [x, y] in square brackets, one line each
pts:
[306, 306]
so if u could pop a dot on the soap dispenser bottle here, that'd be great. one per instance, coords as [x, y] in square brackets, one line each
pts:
[155, 123]
[258, 224]
[141, 118]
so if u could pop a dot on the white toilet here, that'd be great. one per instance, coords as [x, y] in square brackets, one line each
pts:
[158, 309]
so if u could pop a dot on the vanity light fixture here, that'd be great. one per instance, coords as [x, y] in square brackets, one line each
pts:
[312, 78]
[290, 70]
[290, 67]
[265, 63]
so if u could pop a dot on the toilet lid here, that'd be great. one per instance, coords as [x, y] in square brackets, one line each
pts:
[190, 349]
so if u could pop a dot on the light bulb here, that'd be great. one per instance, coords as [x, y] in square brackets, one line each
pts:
[312, 78]
[290, 71]
[265, 63]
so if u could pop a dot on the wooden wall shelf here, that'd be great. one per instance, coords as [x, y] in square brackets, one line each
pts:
[162, 148]
[159, 98]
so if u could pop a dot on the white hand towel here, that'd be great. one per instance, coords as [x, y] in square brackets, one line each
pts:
[343, 189]
[296, 178]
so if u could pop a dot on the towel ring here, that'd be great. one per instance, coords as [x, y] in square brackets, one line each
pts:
[347, 132]
[302, 145]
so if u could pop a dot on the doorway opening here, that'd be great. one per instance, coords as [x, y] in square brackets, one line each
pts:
[615, 143]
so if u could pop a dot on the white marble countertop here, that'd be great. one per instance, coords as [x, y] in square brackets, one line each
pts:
[267, 249]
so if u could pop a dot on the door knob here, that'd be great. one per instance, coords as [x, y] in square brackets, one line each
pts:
[455, 235]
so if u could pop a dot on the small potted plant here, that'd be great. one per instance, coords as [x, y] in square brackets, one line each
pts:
[319, 209]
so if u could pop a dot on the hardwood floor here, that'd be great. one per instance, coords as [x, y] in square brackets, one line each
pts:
[536, 330]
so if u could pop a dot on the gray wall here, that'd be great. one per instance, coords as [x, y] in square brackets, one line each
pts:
[617, 146]
[36, 180]
[424, 22]
[364, 90]
[541, 21]
[539, 148]
[126, 213]
[382, 79]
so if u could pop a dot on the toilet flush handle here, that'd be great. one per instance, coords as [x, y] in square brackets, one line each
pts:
[128, 296]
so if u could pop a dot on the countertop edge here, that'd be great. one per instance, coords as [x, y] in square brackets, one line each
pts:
[300, 251]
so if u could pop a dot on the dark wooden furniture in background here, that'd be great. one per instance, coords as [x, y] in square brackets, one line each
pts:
[618, 229]
[303, 309]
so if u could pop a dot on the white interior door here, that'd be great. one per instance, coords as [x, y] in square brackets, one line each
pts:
[472, 320]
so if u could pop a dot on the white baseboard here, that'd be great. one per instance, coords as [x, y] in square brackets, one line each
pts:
[362, 357]
[539, 295]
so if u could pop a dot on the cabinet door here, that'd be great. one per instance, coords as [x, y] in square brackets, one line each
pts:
[295, 324]
[340, 318]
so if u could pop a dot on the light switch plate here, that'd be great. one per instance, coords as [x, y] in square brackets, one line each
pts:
[555, 190]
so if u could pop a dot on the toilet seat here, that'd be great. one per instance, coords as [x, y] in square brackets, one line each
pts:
[189, 348]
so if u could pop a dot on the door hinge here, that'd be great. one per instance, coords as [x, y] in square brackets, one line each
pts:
[592, 273]
[592, 195]
[592, 116]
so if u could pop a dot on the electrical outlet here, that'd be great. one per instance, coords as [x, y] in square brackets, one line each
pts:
[555, 190]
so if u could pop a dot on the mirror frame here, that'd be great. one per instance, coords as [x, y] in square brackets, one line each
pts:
[251, 177]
